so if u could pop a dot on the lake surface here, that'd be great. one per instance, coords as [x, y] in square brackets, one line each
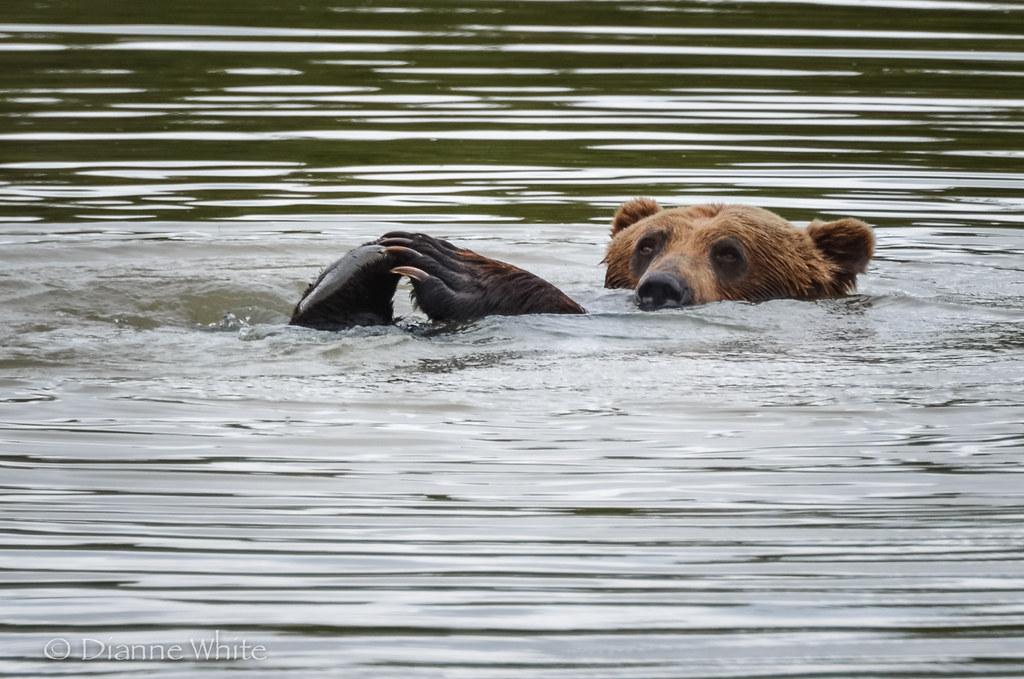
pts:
[787, 489]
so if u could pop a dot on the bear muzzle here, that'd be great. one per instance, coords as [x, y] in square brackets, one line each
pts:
[658, 290]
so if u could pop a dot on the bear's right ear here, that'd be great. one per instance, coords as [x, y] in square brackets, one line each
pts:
[632, 212]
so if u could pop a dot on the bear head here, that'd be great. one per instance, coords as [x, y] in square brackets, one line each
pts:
[707, 253]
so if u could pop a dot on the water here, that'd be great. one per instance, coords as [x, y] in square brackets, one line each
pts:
[791, 489]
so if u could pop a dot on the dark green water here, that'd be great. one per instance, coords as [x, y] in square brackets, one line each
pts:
[787, 489]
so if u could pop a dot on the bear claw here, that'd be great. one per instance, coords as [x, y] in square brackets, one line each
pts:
[412, 272]
[394, 240]
[401, 250]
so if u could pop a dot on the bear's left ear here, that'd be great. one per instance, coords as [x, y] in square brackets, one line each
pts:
[847, 243]
[632, 211]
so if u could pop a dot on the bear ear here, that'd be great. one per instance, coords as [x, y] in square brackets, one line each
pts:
[632, 211]
[846, 243]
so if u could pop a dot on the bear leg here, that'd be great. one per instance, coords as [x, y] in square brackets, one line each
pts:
[455, 284]
[355, 290]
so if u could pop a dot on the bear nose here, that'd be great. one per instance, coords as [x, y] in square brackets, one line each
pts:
[659, 290]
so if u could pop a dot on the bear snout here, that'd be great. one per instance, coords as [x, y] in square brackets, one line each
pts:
[659, 289]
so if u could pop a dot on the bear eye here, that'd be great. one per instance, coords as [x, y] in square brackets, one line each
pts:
[728, 257]
[647, 246]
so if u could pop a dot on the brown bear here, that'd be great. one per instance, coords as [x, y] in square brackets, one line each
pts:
[677, 257]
